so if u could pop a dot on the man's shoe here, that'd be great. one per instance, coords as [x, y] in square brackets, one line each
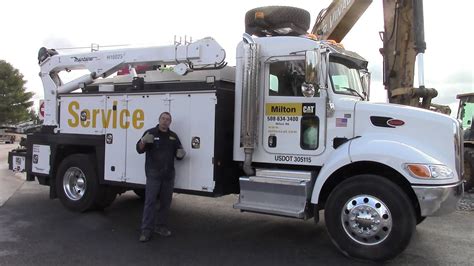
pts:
[163, 231]
[144, 237]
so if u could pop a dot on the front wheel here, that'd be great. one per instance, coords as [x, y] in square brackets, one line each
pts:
[369, 217]
[420, 219]
[77, 183]
[469, 169]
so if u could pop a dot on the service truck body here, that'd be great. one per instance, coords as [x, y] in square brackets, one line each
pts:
[288, 128]
[202, 111]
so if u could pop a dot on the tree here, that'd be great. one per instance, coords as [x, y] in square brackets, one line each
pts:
[33, 116]
[14, 100]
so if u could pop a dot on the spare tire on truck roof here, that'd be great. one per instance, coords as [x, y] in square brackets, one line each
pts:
[277, 21]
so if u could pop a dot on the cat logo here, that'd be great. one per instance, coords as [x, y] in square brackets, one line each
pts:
[309, 109]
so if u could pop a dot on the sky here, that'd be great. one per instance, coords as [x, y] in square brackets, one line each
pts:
[29, 25]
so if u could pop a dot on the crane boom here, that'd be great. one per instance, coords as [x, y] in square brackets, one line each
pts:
[403, 43]
[202, 54]
[335, 21]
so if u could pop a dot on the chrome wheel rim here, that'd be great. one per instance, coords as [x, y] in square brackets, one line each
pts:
[74, 183]
[366, 220]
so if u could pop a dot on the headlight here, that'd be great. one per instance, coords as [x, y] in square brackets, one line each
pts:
[441, 171]
[429, 171]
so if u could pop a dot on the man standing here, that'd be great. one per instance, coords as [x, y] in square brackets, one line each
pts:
[161, 146]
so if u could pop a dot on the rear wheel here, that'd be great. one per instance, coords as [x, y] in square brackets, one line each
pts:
[469, 168]
[369, 217]
[106, 198]
[140, 192]
[77, 183]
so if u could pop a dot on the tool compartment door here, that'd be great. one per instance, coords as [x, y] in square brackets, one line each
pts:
[194, 122]
[114, 122]
[144, 113]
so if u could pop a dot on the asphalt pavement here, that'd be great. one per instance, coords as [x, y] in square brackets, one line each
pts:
[35, 230]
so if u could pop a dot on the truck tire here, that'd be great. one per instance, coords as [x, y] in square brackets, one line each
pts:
[420, 219]
[140, 192]
[77, 183]
[106, 198]
[468, 168]
[369, 217]
[277, 17]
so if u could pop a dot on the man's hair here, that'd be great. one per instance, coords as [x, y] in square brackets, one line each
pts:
[165, 113]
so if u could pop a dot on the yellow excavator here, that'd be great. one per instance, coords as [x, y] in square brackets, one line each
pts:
[403, 46]
[466, 115]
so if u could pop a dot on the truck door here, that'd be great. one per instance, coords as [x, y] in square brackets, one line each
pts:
[293, 125]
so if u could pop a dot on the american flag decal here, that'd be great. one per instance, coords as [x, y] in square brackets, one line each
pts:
[341, 122]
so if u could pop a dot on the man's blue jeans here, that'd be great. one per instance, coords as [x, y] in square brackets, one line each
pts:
[157, 183]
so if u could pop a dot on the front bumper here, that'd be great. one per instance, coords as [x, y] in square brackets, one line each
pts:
[438, 200]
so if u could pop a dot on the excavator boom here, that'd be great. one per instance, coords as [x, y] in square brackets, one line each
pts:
[335, 21]
[403, 43]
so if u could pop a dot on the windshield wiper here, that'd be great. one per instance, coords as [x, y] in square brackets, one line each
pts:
[355, 91]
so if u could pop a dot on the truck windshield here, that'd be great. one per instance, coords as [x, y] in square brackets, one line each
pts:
[466, 112]
[345, 79]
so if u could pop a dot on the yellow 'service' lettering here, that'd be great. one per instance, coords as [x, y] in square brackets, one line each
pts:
[109, 117]
[105, 119]
[138, 118]
[123, 120]
[75, 121]
[114, 115]
[95, 112]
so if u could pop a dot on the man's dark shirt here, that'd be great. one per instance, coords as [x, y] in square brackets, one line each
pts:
[161, 153]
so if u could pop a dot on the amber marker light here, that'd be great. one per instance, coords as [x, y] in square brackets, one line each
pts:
[419, 170]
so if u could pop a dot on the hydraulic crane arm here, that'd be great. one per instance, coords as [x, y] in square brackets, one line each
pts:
[335, 21]
[403, 42]
[202, 54]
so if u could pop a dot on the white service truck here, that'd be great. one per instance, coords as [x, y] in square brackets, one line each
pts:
[6, 137]
[289, 129]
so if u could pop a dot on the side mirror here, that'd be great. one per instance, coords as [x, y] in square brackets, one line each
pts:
[311, 67]
[365, 81]
[308, 88]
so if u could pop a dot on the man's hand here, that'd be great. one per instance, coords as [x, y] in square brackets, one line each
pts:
[180, 153]
[148, 138]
